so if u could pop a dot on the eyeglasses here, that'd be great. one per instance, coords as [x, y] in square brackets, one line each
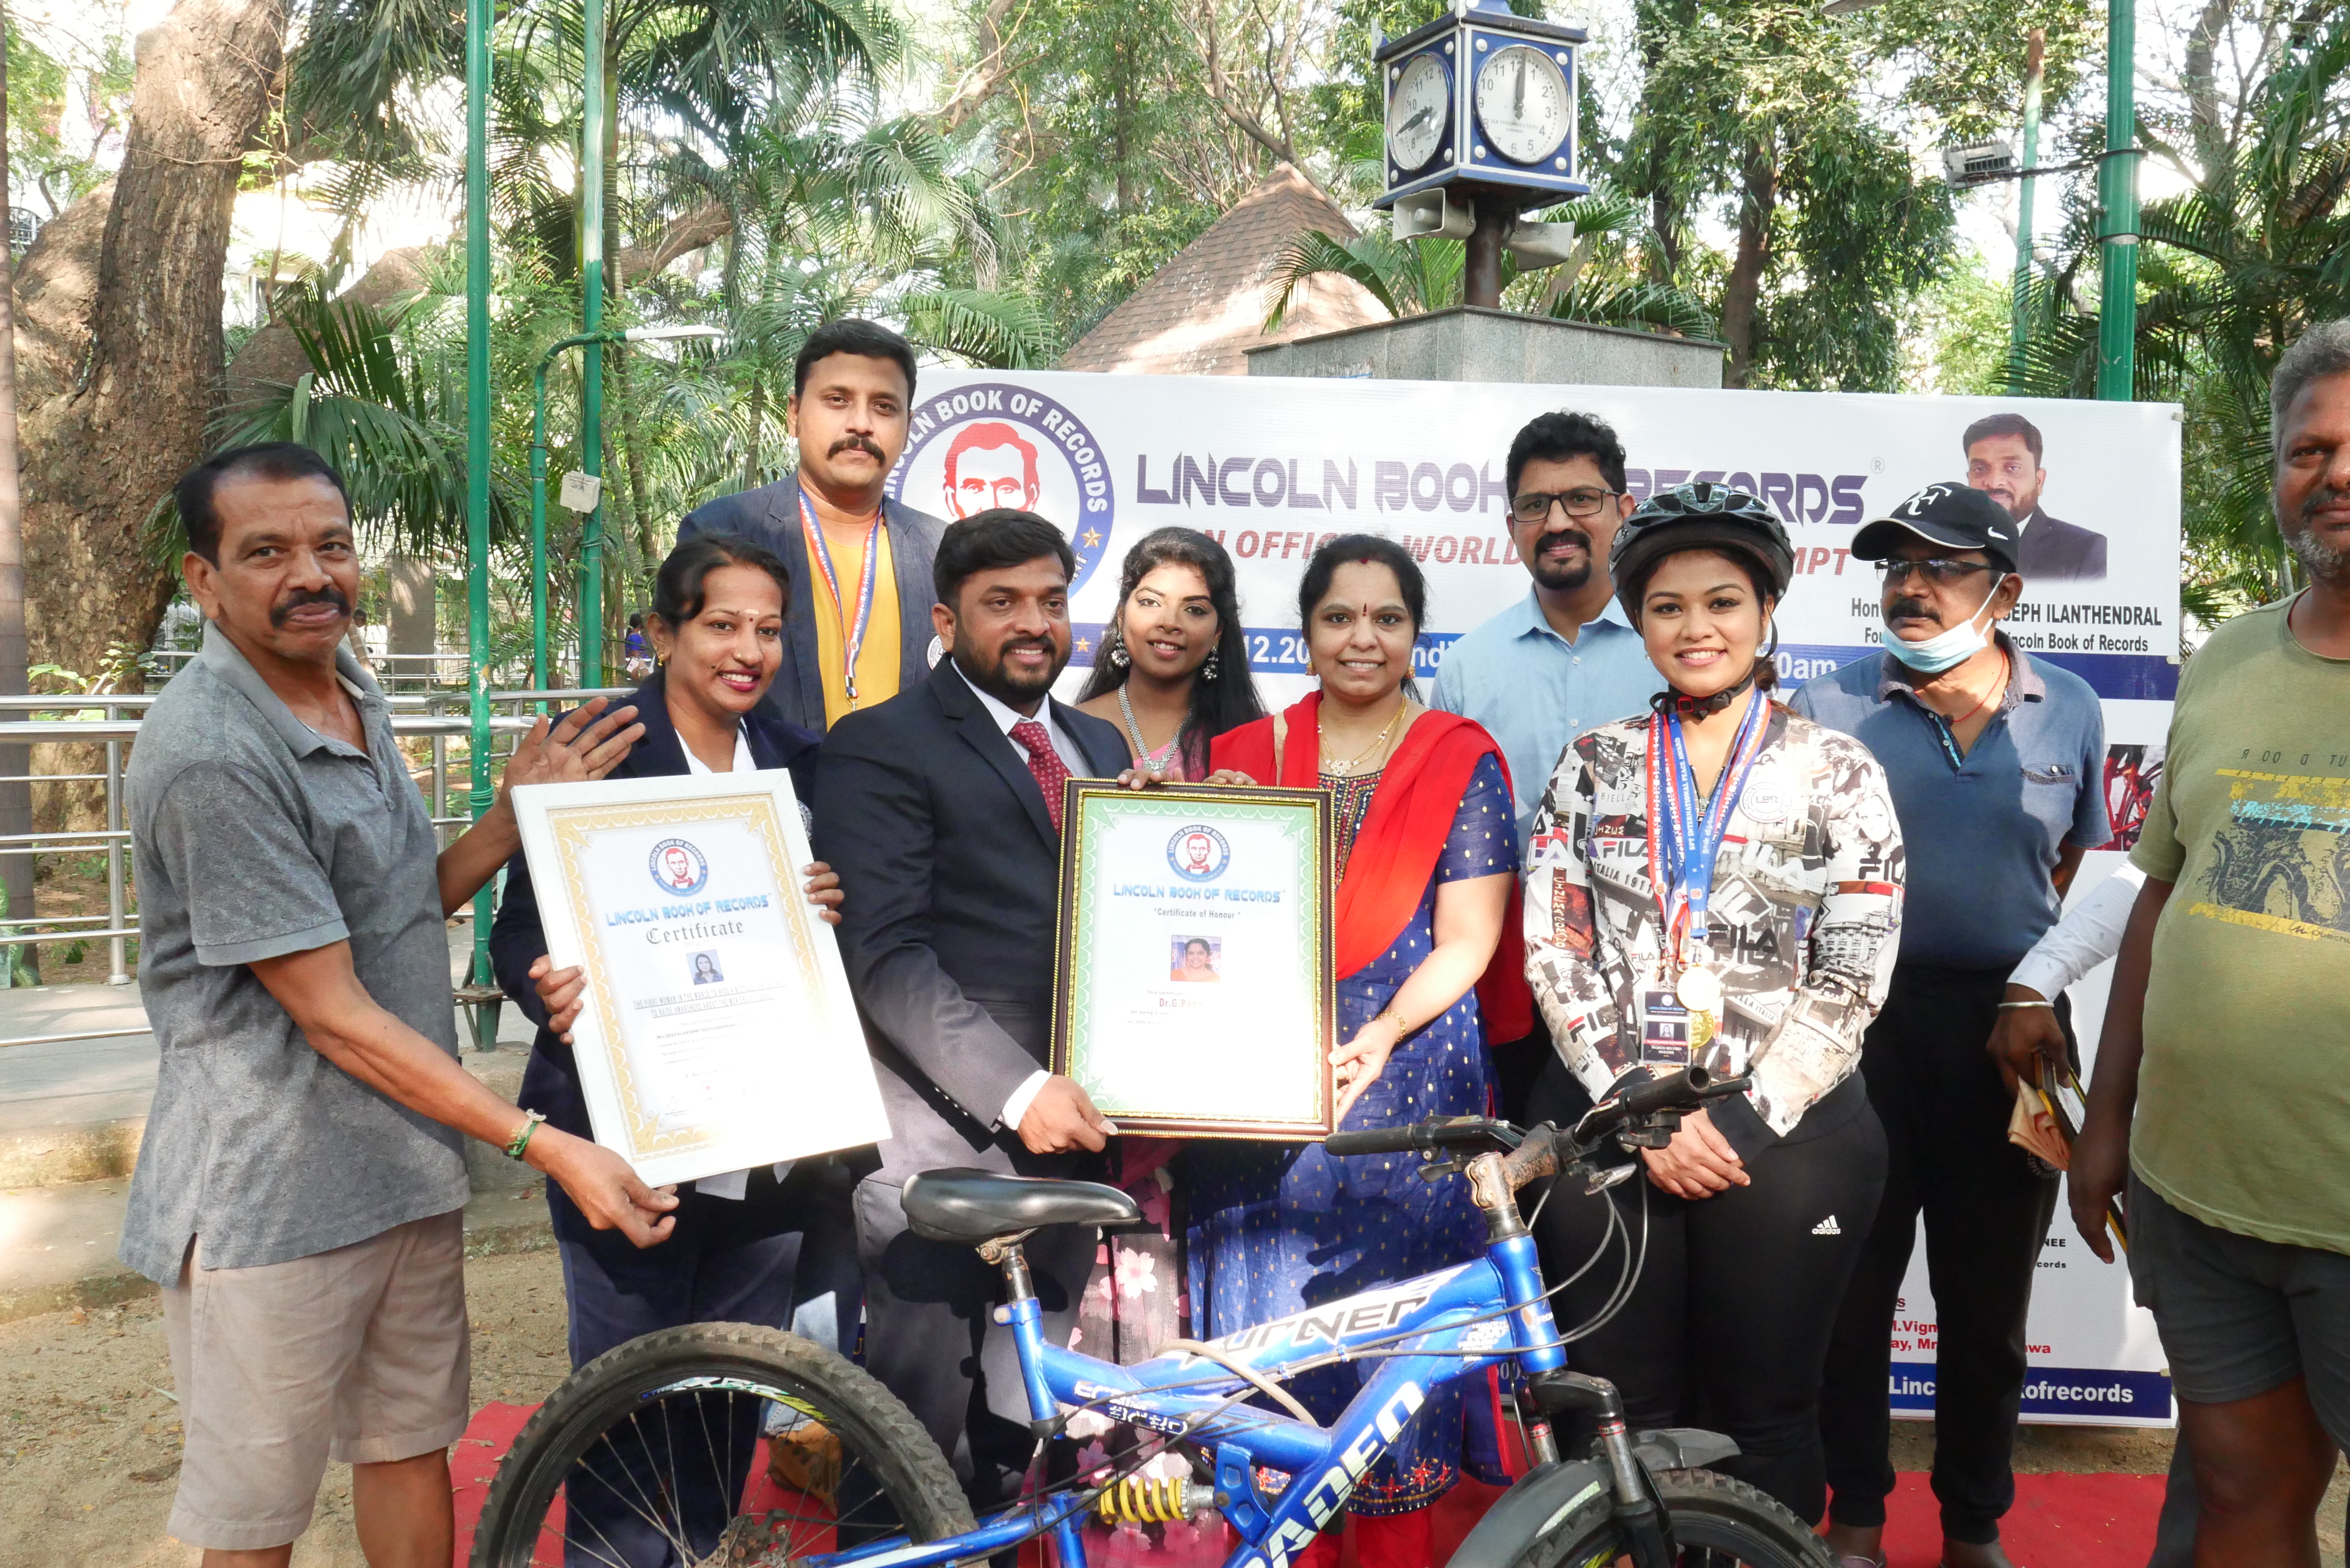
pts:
[1939, 570]
[1534, 505]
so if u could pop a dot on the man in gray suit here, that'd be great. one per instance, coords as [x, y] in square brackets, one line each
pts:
[851, 639]
[942, 812]
[2003, 460]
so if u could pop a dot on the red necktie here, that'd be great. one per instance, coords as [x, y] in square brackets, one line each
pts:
[1045, 763]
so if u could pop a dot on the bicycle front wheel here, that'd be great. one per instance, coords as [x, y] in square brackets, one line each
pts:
[652, 1455]
[1718, 1522]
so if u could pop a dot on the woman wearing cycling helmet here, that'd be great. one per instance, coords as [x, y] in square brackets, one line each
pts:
[1717, 883]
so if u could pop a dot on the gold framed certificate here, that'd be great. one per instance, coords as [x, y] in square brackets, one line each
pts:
[717, 1033]
[1193, 986]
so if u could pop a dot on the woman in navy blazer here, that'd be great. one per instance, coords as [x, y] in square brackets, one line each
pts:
[777, 1251]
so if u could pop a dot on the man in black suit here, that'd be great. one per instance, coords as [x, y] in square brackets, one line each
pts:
[852, 385]
[2004, 459]
[941, 810]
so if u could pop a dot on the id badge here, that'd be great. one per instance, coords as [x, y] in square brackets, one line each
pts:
[1664, 1028]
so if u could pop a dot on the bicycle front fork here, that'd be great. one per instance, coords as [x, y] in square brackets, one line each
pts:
[1644, 1523]
[1025, 1318]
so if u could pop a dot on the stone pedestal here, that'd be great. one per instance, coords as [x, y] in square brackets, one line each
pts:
[1470, 343]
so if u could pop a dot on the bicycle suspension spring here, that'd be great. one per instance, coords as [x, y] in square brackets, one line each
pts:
[1152, 1499]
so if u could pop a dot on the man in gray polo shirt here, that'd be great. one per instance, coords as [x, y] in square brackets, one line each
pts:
[300, 1195]
[1996, 764]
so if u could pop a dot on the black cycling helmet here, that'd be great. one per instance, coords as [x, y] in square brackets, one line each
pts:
[1702, 517]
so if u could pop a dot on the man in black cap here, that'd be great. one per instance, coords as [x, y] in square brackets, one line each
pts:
[1996, 765]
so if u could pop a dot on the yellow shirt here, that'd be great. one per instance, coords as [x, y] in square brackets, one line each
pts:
[877, 661]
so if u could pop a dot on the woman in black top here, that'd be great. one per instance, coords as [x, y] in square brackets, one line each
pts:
[747, 1248]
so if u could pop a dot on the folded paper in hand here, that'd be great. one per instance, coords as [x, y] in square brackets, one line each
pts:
[2036, 1128]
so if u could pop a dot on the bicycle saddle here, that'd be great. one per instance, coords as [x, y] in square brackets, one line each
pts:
[970, 1207]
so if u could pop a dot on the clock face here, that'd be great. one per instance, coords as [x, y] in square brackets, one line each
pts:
[1523, 103]
[1418, 111]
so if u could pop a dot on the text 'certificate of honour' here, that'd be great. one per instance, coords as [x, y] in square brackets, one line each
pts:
[1199, 974]
[717, 1033]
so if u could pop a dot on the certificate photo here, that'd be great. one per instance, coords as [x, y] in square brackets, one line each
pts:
[716, 1032]
[1194, 968]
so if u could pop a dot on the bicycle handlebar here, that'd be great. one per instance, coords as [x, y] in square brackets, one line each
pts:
[1538, 1154]
[1425, 1137]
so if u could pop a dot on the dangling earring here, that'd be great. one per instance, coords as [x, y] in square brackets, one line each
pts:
[1208, 671]
[1117, 655]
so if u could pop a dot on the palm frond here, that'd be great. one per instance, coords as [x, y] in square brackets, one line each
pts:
[999, 331]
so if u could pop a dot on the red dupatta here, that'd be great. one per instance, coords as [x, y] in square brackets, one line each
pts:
[1401, 838]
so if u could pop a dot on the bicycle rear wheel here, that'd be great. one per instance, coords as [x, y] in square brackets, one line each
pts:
[1718, 1522]
[648, 1456]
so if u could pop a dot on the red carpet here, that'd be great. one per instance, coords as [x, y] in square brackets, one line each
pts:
[2059, 1521]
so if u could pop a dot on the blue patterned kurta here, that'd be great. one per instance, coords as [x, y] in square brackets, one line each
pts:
[1277, 1228]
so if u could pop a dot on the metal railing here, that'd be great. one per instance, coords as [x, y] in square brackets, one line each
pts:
[434, 718]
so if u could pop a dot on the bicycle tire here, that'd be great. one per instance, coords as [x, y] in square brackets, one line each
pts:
[1717, 1523]
[696, 1363]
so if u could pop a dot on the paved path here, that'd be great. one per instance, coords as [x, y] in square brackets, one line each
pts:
[72, 1114]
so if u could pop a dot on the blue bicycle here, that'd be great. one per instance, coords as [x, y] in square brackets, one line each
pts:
[644, 1457]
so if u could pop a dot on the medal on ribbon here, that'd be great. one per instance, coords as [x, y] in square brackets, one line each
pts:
[852, 625]
[1683, 845]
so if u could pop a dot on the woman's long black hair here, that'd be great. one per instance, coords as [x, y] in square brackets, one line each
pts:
[1230, 700]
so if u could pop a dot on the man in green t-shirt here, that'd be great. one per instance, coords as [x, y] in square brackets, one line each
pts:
[2229, 1029]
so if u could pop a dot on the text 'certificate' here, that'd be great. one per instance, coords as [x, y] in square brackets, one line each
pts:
[717, 1033]
[1194, 958]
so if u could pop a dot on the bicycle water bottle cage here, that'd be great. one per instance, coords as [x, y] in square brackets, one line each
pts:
[969, 1208]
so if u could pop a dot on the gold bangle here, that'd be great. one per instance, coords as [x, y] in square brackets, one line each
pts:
[1402, 1028]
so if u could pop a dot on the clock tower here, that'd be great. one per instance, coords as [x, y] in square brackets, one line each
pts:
[1480, 125]
[1480, 128]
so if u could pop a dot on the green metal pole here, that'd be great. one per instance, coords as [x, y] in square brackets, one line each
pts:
[2019, 334]
[538, 668]
[478, 15]
[591, 321]
[538, 521]
[2118, 209]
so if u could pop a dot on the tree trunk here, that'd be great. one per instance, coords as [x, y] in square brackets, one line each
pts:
[750, 445]
[1742, 292]
[1656, 24]
[2202, 87]
[271, 354]
[109, 439]
[15, 762]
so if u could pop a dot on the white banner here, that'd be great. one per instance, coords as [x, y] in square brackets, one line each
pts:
[1270, 467]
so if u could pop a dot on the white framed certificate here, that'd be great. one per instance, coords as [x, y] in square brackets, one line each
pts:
[716, 1032]
[1194, 991]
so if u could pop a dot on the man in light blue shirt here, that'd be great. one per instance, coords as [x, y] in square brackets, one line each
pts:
[1564, 660]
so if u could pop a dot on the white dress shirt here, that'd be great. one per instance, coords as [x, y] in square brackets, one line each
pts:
[2089, 934]
[1075, 761]
[1063, 746]
[732, 1184]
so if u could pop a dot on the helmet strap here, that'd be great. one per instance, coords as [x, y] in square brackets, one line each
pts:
[1688, 707]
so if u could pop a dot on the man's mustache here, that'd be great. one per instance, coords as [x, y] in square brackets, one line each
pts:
[1042, 644]
[2324, 495]
[1921, 608]
[301, 598]
[858, 443]
[1563, 537]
